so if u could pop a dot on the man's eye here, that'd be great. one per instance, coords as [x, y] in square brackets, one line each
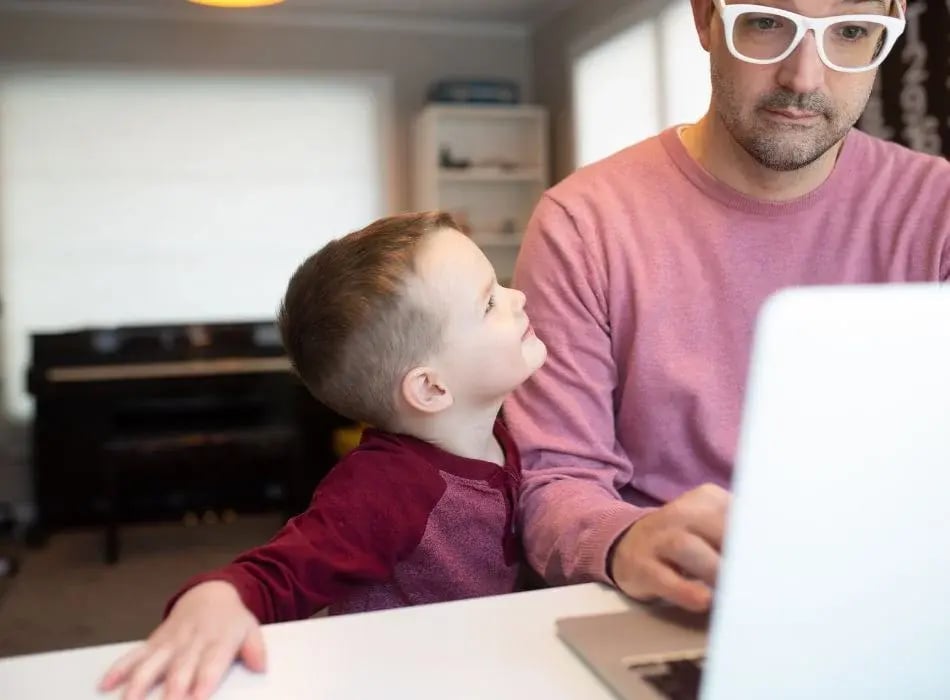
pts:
[853, 32]
[764, 23]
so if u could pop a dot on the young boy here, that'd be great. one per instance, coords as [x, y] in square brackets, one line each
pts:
[401, 325]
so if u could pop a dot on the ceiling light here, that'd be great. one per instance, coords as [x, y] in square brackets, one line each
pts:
[236, 3]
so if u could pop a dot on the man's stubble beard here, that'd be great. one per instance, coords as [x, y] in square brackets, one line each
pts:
[783, 148]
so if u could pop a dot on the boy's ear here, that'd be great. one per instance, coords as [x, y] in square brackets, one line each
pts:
[424, 391]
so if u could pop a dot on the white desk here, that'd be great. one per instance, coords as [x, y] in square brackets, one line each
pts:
[497, 648]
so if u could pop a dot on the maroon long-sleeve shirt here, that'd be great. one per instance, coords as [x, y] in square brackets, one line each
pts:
[397, 522]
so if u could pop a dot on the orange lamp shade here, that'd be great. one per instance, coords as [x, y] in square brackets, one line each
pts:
[236, 3]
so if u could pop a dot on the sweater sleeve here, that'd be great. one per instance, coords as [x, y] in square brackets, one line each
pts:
[563, 417]
[368, 514]
[945, 258]
[944, 216]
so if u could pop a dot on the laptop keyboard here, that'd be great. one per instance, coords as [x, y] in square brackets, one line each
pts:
[675, 678]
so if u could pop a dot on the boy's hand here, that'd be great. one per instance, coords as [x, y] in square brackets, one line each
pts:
[193, 648]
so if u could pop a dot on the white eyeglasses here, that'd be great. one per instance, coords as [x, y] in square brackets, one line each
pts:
[848, 43]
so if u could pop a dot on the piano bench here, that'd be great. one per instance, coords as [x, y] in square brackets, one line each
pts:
[193, 454]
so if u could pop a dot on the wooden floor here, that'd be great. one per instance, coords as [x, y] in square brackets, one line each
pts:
[65, 596]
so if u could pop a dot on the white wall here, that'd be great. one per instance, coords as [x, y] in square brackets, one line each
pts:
[411, 57]
[616, 88]
[156, 197]
[629, 47]
[651, 75]
[408, 58]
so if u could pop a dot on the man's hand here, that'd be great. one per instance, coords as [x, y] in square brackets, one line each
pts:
[193, 648]
[673, 553]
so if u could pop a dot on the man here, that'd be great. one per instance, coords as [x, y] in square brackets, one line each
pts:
[644, 274]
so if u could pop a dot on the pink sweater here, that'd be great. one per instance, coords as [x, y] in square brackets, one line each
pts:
[644, 276]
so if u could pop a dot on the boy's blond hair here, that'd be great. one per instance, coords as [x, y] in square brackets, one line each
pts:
[348, 323]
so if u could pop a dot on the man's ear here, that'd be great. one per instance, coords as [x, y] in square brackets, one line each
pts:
[703, 15]
[424, 391]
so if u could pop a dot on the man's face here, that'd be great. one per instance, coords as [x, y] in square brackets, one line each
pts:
[788, 114]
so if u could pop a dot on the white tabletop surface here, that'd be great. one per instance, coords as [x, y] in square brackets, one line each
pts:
[498, 648]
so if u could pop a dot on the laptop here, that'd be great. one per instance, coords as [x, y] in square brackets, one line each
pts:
[835, 580]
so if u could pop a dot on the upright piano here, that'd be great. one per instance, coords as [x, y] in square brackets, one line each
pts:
[153, 422]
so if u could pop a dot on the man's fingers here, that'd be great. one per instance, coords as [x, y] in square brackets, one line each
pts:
[693, 556]
[710, 528]
[674, 588]
[674, 552]
[706, 512]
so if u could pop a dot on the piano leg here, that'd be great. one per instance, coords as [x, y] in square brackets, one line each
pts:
[112, 543]
[111, 479]
[37, 535]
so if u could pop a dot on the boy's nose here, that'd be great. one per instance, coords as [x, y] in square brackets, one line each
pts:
[519, 299]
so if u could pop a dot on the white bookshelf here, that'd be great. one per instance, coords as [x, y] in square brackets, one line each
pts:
[505, 149]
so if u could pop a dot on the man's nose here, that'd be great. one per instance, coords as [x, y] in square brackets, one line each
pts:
[803, 72]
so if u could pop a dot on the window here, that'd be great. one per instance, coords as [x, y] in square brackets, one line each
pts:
[652, 75]
[133, 198]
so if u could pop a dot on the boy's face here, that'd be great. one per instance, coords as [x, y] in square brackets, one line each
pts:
[489, 347]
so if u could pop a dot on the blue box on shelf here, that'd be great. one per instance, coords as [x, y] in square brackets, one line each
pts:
[475, 91]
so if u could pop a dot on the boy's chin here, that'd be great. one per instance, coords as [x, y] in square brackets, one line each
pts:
[535, 354]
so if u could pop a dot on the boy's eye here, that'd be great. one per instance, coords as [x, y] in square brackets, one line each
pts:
[491, 303]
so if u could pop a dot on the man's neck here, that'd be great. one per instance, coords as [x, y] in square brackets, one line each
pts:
[712, 146]
[461, 431]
